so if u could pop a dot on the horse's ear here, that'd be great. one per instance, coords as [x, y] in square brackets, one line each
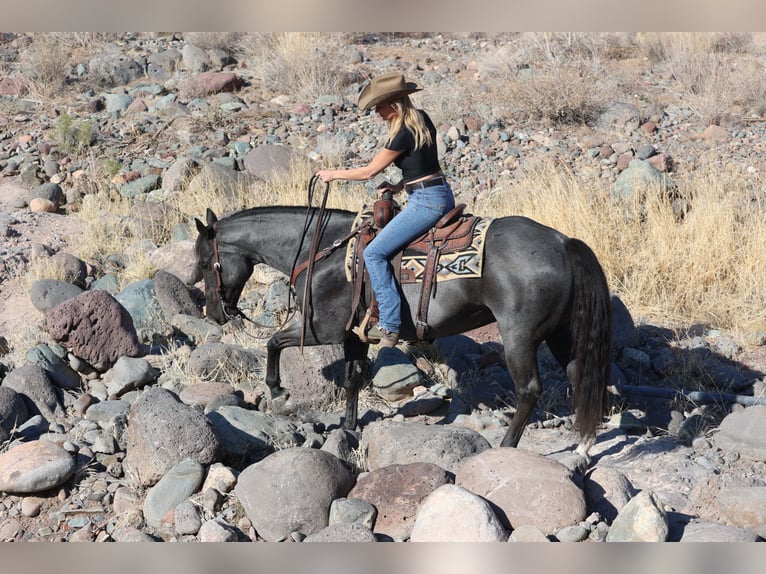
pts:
[201, 228]
[211, 218]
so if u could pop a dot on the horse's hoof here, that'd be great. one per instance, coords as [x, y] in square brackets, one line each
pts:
[277, 399]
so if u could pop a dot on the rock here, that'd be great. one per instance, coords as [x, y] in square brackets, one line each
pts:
[177, 260]
[353, 511]
[49, 293]
[453, 514]
[162, 431]
[271, 162]
[641, 520]
[139, 299]
[713, 532]
[744, 432]
[744, 506]
[389, 442]
[33, 384]
[397, 491]
[394, 376]
[221, 362]
[180, 482]
[530, 488]
[342, 533]
[528, 533]
[35, 466]
[607, 491]
[96, 327]
[292, 490]
[13, 412]
[217, 530]
[249, 436]
[129, 373]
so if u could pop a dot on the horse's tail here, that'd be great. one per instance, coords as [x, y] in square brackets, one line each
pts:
[591, 338]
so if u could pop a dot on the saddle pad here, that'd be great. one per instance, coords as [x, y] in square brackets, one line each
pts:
[455, 265]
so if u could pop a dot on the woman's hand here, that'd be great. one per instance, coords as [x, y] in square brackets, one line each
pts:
[326, 175]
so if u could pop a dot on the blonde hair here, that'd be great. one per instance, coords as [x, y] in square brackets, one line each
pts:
[408, 116]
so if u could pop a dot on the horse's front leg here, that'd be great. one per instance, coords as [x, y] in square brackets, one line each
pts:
[355, 353]
[273, 379]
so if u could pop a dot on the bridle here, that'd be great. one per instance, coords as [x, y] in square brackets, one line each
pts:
[219, 284]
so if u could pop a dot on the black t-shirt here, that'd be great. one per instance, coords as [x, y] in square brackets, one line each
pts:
[415, 163]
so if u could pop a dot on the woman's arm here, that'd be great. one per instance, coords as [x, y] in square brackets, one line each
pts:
[381, 161]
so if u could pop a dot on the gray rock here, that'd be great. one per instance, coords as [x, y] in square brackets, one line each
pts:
[46, 294]
[388, 442]
[342, 533]
[33, 384]
[75, 269]
[140, 300]
[394, 376]
[222, 362]
[353, 511]
[177, 258]
[180, 482]
[715, 532]
[314, 376]
[641, 520]
[744, 432]
[199, 330]
[528, 533]
[292, 490]
[139, 187]
[129, 373]
[607, 491]
[187, 518]
[50, 191]
[13, 412]
[162, 431]
[177, 176]
[342, 443]
[58, 370]
[271, 162]
[111, 67]
[249, 436]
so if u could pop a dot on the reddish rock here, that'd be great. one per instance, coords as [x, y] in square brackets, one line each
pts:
[661, 162]
[95, 327]
[397, 491]
[208, 83]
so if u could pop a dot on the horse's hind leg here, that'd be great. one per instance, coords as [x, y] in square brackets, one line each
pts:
[355, 353]
[521, 359]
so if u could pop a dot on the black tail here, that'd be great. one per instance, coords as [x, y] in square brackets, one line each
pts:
[591, 337]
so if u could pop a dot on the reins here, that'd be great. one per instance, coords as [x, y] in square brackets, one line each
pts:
[313, 248]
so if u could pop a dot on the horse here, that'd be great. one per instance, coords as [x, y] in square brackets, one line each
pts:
[538, 284]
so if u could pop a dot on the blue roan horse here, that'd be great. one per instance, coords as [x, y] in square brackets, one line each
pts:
[538, 284]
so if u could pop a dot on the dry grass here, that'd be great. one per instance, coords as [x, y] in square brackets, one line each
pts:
[303, 64]
[715, 71]
[706, 268]
[557, 77]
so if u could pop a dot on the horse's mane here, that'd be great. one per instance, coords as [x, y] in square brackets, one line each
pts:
[269, 209]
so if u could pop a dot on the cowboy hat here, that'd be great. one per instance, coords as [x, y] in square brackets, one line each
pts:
[386, 87]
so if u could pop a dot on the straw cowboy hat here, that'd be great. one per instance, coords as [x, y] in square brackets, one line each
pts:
[386, 87]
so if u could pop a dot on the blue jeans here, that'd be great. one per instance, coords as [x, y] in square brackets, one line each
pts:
[424, 208]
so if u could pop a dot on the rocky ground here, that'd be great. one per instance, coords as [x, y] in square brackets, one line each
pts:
[703, 477]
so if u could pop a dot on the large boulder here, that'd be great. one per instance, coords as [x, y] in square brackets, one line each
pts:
[95, 327]
[163, 431]
[292, 490]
